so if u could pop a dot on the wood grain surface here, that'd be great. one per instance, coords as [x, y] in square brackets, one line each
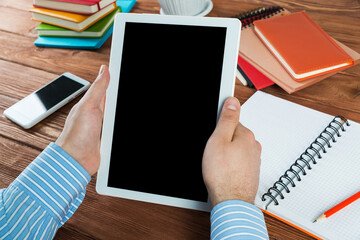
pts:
[24, 68]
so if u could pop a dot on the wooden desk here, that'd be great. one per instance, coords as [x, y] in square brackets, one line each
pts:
[24, 68]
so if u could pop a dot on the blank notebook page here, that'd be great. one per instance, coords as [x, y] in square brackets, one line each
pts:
[285, 130]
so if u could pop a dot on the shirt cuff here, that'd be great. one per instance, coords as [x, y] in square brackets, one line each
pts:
[55, 179]
[237, 219]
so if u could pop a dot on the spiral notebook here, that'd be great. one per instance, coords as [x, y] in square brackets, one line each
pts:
[295, 141]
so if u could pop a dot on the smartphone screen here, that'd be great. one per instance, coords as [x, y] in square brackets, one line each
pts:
[42, 100]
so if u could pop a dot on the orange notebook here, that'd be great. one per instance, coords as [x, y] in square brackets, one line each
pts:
[301, 46]
[257, 54]
[73, 21]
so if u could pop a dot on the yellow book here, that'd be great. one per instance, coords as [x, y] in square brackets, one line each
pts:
[73, 21]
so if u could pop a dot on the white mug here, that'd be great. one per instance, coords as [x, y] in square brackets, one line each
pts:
[183, 7]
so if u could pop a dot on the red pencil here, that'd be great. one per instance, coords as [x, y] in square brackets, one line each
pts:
[338, 207]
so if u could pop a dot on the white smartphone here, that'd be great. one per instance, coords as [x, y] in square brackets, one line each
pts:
[46, 100]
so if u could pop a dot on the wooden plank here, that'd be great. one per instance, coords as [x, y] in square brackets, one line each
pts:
[17, 21]
[18, 4]
[232, 8]
[114, 218]
[71, 234]
[12, 158]
[19, 81]
[20, 49]
[281, 231]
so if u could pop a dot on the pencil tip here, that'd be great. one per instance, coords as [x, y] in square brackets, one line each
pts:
[314, 221]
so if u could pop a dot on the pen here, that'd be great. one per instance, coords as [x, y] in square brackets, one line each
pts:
[338, 207]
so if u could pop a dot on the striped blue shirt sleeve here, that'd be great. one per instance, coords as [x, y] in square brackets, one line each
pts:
[43, 197]
[235, 219]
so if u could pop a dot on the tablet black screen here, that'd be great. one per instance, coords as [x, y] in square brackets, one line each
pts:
[166, 108]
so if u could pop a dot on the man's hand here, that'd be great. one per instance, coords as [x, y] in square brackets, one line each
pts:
[82, 131]
[231, 161]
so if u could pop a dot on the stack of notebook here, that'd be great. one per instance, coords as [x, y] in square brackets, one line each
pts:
[79, 24]
[288, 49]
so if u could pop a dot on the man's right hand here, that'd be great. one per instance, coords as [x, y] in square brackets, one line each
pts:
[231, 161]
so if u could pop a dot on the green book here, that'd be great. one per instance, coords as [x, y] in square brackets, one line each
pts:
[95, 31]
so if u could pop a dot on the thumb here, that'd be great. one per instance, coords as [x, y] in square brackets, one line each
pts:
[97, 90]
[228, 120]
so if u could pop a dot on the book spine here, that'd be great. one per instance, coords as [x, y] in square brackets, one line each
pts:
[247, 79]
[305, 162]
[80, 2]
[69, 11]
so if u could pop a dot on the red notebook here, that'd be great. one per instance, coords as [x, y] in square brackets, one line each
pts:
[256, 77]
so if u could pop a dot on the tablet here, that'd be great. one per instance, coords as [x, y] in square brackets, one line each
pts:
[169, 78]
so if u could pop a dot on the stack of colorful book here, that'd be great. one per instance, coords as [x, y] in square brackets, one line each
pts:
[79, 24]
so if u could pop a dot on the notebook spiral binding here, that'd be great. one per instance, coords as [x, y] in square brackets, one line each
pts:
[249, 17]
[304, 161]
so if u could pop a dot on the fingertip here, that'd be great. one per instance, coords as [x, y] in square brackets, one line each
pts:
[228, 119]
[103, 72]
[106, 74]
[231, 109]
[102, 69]
[232, 103]
[103, 78]
[98, 88]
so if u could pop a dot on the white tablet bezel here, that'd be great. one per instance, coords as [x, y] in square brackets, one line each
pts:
[233, 27]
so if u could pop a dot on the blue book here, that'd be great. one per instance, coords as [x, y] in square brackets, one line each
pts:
[83, 43]
[126, 5]
[77, 43]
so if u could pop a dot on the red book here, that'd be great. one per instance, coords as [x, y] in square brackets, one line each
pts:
[256, 77]
[85, 7]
